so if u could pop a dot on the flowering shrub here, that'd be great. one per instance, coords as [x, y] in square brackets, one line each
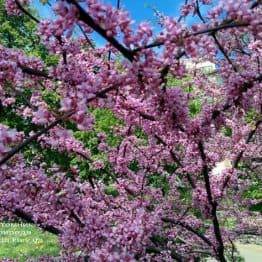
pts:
[166, 196]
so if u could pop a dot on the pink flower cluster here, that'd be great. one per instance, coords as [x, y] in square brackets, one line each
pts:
[62, 140]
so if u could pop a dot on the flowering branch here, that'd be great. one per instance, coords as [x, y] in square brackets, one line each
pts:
[29, 219]
[86, 18]
[201, 32]
[189, 228]
[32, 138]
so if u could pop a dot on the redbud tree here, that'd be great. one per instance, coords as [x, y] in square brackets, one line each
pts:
[151, 82]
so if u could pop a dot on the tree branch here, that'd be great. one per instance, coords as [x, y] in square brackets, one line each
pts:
[86, 37]
[29, 219]
[221, 48]
[34, 72]
[256, 4]
[87, 19]
[199, 12]
[189, 228]
[209, 30]
[213, 204]
[26, 12]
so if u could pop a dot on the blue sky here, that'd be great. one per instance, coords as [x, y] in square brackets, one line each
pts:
[142, 10]
[139, 10]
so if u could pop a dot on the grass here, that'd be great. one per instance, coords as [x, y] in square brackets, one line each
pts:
[20, 241]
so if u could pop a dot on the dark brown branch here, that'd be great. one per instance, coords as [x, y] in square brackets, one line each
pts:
[220, 27]
[205, 172]
[118, 4]
[199, 12]
[253, 232]
[29, 219]
[87, 19]
[213, 204]
[221, 48]
[32, 138]
[83, 32]
[164, 73]
[189, 228]
[77, 219]
[147, 117]
[26, 12]
[34, 72]
[86, 37]
[256, 4]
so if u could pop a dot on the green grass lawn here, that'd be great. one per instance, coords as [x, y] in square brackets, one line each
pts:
[21, 241]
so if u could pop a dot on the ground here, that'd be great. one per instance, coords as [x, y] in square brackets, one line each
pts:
[21, 241]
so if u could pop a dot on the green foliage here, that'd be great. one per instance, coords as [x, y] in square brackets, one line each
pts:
[252, 116]
[227, 131]
[140, 134]
[255, 192]
[111, 190]
[230, 222]
[52, 157]
[256, 208]
[89, 139]
[51, 98]
[194, 107]
[83, 167]
[172, 81]
[10, 118]
[159, 240]
[185, 194]
[134, 166]
[159, 181]
[171, 168]
[105, 122]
